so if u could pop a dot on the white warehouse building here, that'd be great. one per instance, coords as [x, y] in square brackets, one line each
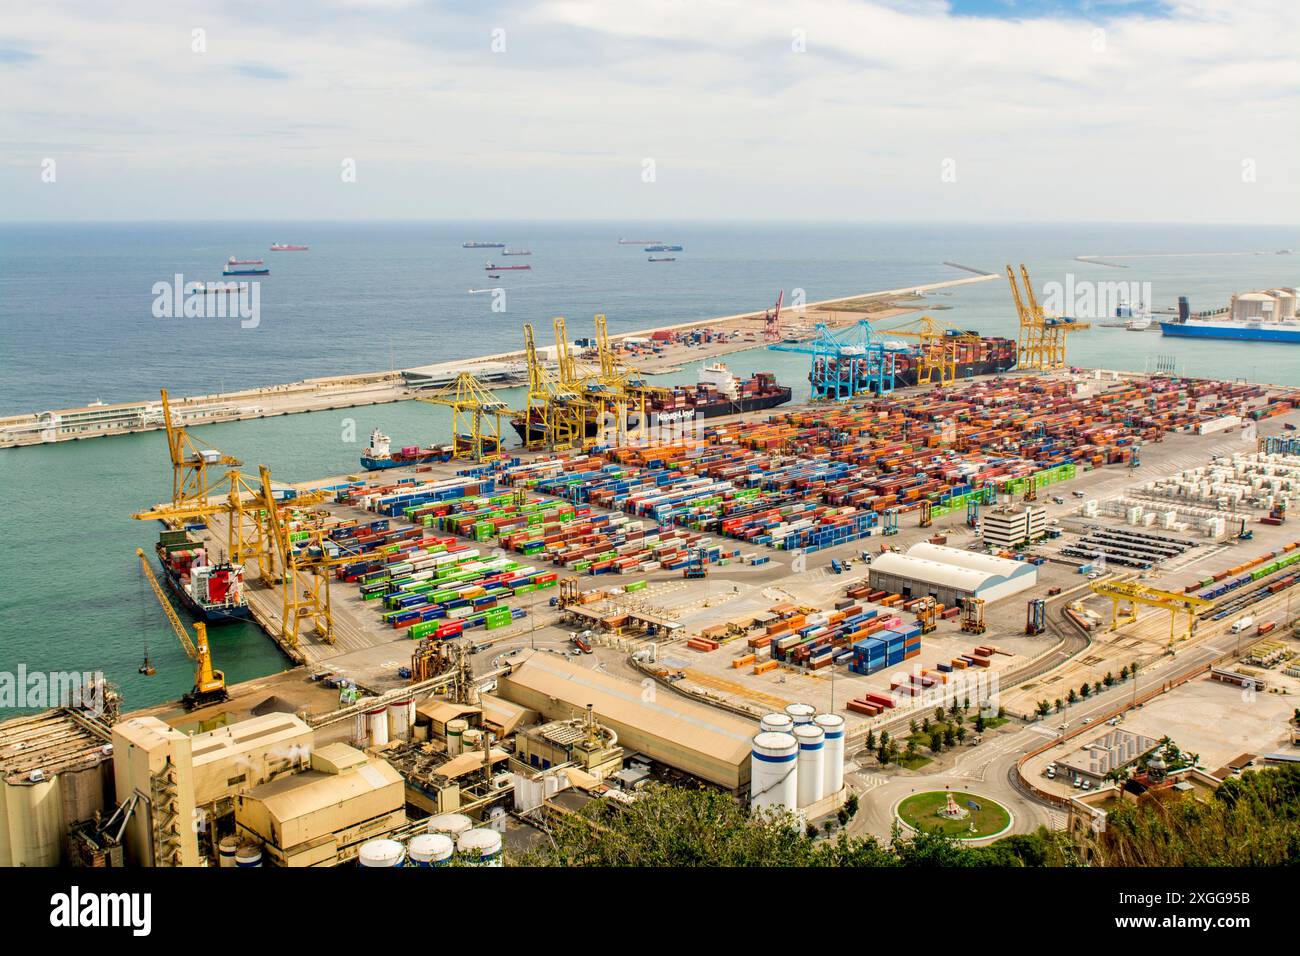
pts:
[950, 574]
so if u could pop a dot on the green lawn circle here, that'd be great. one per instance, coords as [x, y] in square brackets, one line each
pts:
[920, 812]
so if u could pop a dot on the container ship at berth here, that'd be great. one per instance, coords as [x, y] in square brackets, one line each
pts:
[718, 392]
[213, 593]
[379, 455]
[985, 357]
[1250, 317]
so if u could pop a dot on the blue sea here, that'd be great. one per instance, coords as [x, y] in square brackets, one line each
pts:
[77, 325]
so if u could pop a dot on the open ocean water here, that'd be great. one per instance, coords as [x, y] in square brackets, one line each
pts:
[76, 325]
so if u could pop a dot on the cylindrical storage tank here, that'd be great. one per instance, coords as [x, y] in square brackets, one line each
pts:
[773, 774]
[361, 729]
[378, 719]
[479, 847]
[248, 855]
[497, 819]
[228, 851]
[430, 849]
[833, 771]
[455, 732]
[381, 853]
[452, 824]
[812, 760]
[471, 739]
[801, 713]
[776, 724]
[399, 720]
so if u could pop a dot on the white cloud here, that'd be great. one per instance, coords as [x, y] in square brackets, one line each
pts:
[1040, 124]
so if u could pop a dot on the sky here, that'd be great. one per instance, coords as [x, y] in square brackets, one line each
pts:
[901, 110]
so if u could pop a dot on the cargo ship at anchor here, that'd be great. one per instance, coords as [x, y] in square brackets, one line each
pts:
[482, 245]
[493, 267]
[213, 593]
[718, 392]
[379, 455]
[281, 247]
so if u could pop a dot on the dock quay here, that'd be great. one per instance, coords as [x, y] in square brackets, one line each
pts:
[500, 370]
[838, 559]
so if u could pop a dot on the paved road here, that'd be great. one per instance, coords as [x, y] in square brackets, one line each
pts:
[990, 768]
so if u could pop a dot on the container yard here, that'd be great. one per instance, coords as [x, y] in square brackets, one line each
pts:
[864, 563]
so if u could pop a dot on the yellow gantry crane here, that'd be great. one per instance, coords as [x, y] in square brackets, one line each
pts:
[1041, 343]
[246, 509]
[556, 415]
[1132, 594]
[941, 346]
[305, 577]
[474, 406]
[209, 683]
[619, 385]
[190, 462]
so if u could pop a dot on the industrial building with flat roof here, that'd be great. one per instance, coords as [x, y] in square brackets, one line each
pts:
[1113, 750]
[700, 740]
[950, 574]
[1013, 525]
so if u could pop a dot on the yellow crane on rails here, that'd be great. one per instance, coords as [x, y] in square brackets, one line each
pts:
[1133, 594]
[620, 386]
[557, 415]
[247, 513]
[190, 461]
[472, 404]
[209, 683]
[941, 346]
[305, 577]
[1041, 343]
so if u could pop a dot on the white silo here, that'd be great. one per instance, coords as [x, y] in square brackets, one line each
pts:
[452, 824]
[430, 849]
[378, 721]
[801, 713]
[1286, 303]
[399, 719]
[833, 771]
[776, 724]
[1252, 305]
[249, 855]
[227, 851]
[812, 762]
[381, 853]
[479, 847]
[773, 771]
[455, 731]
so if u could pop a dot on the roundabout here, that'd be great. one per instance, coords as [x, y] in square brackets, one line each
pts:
[954, 813]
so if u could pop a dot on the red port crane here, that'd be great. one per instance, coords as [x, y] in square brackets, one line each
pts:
[772, 318]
